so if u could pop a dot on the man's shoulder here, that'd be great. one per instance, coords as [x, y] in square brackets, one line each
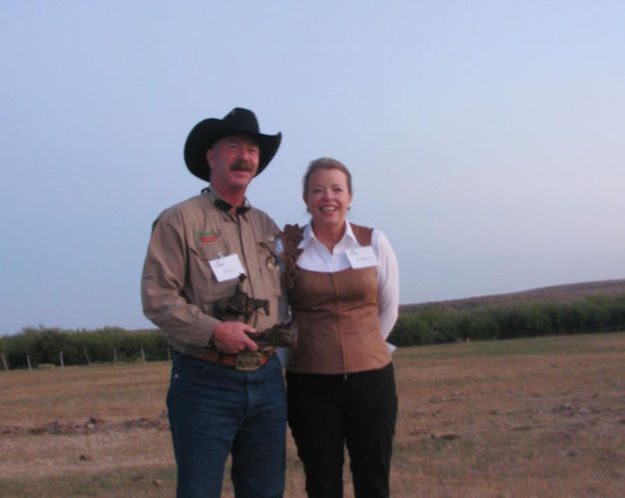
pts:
[185, 208]
[199, 205]
[264, 219]
[260, 213]
[191, 203]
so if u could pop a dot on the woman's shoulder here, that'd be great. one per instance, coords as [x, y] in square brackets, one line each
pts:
[370, 237]
[363, 234]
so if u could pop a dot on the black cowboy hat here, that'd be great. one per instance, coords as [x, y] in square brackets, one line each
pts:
[238, 121]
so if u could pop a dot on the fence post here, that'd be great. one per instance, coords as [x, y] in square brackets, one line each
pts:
[86, 355]
[61, 359]
[4, 362]
[168, 353]
[114, 356]
[28, 361]
[142, 355]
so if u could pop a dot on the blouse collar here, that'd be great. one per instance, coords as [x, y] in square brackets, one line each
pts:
[309, 236]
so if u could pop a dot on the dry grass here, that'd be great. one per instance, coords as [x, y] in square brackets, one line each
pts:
[538, 417]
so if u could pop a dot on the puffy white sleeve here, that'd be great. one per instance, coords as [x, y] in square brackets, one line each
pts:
[388, 284]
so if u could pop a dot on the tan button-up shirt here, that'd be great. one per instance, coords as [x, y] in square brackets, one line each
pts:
[178, 287]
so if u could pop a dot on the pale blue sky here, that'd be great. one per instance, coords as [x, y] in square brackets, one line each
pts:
[485, 137]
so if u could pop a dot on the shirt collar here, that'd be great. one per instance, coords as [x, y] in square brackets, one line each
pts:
[348, 239]
[216, 199]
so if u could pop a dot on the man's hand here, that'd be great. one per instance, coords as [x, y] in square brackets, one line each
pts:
[232, 338]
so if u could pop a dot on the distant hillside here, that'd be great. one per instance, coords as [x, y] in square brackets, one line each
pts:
[553, 294]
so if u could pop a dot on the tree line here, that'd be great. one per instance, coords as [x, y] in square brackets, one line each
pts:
[37, 346]
[508, 321]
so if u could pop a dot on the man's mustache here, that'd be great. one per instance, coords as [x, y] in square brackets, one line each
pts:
[242, 165]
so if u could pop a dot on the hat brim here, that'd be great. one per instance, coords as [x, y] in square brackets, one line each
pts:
[207, 132]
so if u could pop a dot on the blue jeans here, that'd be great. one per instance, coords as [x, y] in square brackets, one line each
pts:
[215, 410]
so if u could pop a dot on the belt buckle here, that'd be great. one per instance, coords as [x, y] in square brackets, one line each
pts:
[248, 361]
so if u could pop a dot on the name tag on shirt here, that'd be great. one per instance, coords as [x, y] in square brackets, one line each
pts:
[226, 268]
[361, 257]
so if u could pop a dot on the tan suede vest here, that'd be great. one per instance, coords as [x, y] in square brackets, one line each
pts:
[337, 321]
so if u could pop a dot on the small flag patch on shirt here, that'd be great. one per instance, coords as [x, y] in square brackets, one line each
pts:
[205, 237]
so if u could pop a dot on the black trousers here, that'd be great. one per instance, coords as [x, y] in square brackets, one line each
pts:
[326, 412]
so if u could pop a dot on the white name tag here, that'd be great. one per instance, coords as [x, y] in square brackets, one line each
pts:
[362, 257]
[226, 268]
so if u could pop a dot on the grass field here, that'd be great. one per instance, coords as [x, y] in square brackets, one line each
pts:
[535, 417]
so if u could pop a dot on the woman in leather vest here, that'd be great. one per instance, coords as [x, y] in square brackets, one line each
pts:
[343, 290]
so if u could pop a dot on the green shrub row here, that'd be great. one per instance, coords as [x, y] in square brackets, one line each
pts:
[435, 325]
[44, 345]
[430, 326]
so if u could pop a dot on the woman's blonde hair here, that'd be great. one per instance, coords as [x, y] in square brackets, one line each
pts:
[326, 163]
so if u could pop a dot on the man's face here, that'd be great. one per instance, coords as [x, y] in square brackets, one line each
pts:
[233, 161]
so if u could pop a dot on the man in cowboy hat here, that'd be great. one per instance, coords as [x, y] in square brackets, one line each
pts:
[225, 396]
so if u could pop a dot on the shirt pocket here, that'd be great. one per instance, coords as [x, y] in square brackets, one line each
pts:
[201, 275]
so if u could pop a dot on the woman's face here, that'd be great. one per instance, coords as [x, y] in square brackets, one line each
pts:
[328, 197]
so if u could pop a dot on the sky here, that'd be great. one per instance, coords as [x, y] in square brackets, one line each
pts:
[485, 138]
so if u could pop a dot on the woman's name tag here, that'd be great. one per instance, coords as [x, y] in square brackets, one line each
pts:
[227, 267]
[361, 257]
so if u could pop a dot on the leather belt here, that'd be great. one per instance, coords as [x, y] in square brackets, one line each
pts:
[246, 361]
